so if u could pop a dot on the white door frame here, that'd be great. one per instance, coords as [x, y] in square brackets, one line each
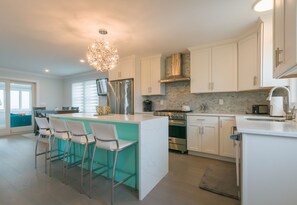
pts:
[35, 98]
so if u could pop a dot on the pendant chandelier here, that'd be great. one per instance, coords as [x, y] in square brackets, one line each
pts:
[101, 55]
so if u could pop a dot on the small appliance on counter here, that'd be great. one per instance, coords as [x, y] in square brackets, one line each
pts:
[186, 108]
[260, 109]
[147, 106]
[277, 106]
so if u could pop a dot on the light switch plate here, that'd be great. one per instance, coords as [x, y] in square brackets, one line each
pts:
[221, 101]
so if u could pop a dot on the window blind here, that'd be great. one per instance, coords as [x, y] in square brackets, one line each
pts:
[84, 96]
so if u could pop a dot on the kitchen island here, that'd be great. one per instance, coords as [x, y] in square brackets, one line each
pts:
[151, 133]
[268, 161]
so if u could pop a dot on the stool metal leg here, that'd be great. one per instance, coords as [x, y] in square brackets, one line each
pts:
[107, 163]
[82, 168]
[113, 176]
[67, 163]
[51, 154]
[65, 158]
[45, 157]
[36, 146]
[135, 157]
[91, 171]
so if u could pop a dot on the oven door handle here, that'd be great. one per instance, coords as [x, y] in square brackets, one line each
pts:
[177, 123]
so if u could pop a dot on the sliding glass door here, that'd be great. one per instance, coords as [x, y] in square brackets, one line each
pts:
[20, 104]
[2, 106]
[16, 102]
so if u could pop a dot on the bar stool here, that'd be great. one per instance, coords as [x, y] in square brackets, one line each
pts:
[60, 131]
[44, 136]
[79, 136]
[106, 137]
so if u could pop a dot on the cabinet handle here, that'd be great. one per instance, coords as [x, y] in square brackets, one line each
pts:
[277, 53]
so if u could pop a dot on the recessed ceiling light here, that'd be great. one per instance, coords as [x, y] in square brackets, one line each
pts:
[46, 70]
[82, 60]
[263, 5]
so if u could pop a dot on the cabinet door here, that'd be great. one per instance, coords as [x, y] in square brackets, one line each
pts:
[265, 44]
[194, 138]
[224, 68]
[113, 74]
[279, 33]
[200, 70]
[145, 76]
[155, 75]
[127, 68]
[227, 148]
[248, 78]
[210, 138]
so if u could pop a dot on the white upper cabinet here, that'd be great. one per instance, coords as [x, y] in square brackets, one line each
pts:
[214, 69]
[224, 68]
[152, 71]
[285, 38]
[200, 70]
[248, 74]
[125, 69]
[265, 41]
[255, 62]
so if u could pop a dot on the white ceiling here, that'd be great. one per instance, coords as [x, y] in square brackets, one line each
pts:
[55, 34]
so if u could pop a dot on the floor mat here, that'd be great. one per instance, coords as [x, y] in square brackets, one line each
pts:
[221, 180]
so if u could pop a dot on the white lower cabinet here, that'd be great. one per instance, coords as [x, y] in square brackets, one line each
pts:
[227, 147]
[203, 134]
[211, 135]
[194, 138]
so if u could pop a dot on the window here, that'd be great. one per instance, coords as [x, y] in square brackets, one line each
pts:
[84, 96]
[1, 99]
[20, 97]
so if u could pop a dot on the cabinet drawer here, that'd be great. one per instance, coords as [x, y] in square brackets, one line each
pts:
[197, 120]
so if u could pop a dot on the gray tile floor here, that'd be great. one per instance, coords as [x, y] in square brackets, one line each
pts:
[21, 184]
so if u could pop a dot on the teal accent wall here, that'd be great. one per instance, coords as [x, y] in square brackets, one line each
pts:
[126, 159]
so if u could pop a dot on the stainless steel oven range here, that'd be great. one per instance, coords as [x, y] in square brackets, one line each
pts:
[177, 128]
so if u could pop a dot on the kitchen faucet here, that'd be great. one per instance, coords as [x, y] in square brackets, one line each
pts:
[288, 112]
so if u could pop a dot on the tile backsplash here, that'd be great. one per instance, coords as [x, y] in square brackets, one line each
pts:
[178, 94]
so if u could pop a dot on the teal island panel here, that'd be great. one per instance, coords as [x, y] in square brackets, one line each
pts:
[126, 160]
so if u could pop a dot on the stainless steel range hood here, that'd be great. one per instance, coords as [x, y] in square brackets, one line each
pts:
[176, 70]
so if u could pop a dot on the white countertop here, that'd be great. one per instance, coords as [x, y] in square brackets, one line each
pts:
[211, 114]
[284, 129]
[135, 119]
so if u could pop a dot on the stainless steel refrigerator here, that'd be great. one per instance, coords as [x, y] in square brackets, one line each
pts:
[120, 96]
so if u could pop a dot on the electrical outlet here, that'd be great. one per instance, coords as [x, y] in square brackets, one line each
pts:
[161, 102]
[221, 101]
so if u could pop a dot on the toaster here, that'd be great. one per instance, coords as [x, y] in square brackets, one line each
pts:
[260, 109]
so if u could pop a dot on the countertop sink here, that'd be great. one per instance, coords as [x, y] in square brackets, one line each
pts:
[265, 118]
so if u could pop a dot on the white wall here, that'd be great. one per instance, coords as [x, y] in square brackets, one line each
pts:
[92, 75]
[50, 90]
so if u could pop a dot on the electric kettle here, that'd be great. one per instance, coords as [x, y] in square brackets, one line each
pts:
[277, 106]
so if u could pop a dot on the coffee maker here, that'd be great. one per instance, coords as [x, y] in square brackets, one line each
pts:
[147, 106]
